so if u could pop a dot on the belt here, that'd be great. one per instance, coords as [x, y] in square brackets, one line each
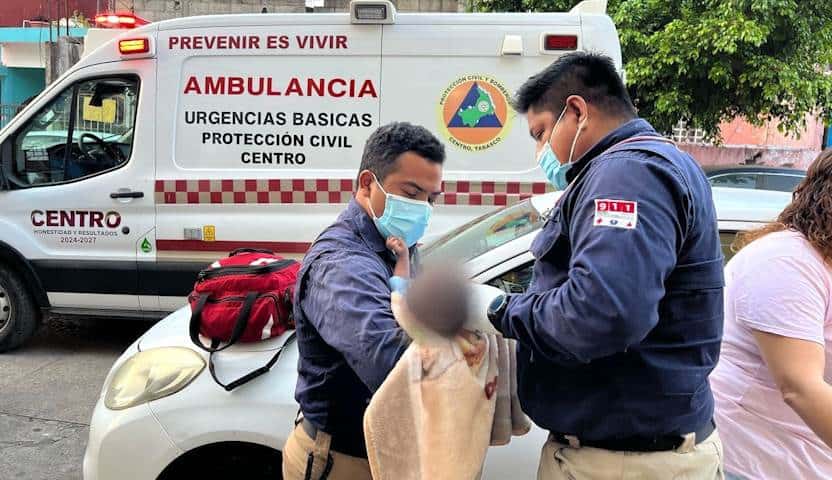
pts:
[662, 443]
[353, 449]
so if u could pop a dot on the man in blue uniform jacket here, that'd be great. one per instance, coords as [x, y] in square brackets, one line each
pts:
[348, 339]
[622, 323]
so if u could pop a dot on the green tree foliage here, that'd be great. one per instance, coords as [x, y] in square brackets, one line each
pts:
[709, 61]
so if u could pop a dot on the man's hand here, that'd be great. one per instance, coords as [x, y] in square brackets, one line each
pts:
[397, 246]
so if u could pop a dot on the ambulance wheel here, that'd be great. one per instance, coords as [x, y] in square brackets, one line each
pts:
[19, 317]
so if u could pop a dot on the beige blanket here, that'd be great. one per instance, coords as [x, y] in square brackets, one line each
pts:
[443, 404]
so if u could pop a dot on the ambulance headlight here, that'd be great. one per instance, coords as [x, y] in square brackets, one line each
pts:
[151, 375]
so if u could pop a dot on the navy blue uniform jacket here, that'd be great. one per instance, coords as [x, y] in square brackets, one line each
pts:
[347, 337]
[622, 323]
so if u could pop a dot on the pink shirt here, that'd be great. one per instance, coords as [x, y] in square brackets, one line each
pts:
[778, 284]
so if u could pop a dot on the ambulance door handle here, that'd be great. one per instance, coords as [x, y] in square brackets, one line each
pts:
[127, 195]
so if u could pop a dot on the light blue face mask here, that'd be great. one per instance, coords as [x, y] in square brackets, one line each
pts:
[554, 170]
[404, 218]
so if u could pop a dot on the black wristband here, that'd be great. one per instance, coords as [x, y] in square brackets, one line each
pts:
[497, 309]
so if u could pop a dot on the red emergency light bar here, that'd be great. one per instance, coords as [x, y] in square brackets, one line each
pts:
[119, 20]
[560, 42]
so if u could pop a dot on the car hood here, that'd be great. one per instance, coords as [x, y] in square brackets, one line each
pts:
[172, 331]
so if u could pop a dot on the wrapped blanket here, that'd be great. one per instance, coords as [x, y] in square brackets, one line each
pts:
[443, 404]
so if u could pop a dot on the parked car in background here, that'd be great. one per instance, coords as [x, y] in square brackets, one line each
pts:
[160, 396]
[756, 177]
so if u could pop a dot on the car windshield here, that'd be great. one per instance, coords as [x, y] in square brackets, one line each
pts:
[486, 233]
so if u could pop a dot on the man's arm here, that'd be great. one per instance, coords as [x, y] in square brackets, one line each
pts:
[348, 301]
[616, 277]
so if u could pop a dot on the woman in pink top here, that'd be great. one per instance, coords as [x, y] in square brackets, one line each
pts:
[772, 383]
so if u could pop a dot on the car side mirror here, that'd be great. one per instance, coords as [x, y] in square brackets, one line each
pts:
[104, 90]
[5, 164]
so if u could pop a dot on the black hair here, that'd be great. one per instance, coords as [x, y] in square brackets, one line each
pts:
[591, 76]
[386, 144]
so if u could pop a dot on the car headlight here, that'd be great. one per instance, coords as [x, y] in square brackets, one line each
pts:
[151, 375]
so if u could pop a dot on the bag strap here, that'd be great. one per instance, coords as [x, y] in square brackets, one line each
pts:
[239, 326]
[250, 250]
[251, 375]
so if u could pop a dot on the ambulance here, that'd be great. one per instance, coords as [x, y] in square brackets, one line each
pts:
[180, 141]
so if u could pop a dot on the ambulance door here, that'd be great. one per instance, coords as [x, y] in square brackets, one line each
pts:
[456, 78]
[80, 190]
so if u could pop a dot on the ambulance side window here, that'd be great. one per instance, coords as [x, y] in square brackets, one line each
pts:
[84, 131]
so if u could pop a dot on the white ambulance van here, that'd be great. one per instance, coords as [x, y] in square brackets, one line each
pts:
[180, 141]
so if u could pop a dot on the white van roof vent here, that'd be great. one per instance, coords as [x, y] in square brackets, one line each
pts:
[590, 6]
[372, 11]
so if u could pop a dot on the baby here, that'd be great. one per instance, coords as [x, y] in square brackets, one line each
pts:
[438, 298]
[448, 397]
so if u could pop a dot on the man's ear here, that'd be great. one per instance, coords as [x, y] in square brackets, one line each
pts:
[578, 106]
[365, 179]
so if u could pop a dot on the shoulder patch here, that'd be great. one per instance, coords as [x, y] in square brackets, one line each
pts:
[615, 213]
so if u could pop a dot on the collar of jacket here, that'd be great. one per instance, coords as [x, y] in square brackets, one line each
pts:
[366, 227]
[632, 128]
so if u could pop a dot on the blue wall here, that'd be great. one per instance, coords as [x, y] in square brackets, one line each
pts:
[18, 84]
[827, 141]
[36, 35]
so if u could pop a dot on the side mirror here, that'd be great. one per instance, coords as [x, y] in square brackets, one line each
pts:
[5, 164]
[104, 90]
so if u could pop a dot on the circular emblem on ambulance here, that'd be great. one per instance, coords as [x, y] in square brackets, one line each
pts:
[474, 112]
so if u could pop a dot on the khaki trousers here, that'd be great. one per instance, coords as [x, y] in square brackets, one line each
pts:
[307, 459]
[702, 461]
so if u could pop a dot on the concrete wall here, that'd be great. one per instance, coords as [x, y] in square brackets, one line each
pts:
[403, 6]
[747, 144]
[155, 10]
[708, 155]
[13, 12]
[740, 132]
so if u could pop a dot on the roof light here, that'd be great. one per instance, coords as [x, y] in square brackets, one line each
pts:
[119, 20]
[133, 46]
[560, 42]
[372, 11]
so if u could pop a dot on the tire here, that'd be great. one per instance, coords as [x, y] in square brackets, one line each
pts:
[19, 316]
[227, 460]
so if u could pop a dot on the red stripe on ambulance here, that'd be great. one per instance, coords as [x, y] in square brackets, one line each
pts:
[329, 191]
[227, 246]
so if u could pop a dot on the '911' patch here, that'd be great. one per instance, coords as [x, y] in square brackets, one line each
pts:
[615, 213]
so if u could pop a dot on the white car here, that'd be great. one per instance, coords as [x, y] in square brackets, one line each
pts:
[161, 416]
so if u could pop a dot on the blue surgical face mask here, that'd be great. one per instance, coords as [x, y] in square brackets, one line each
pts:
[552, 167]
[404, 218]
